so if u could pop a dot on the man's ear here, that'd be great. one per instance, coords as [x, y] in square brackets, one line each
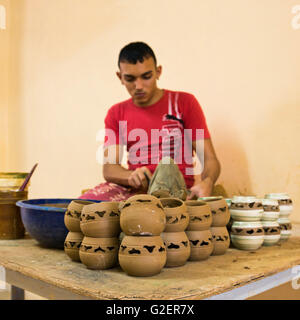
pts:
[158, 72]
[118, 73]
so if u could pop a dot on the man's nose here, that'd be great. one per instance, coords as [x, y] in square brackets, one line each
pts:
[138, 84]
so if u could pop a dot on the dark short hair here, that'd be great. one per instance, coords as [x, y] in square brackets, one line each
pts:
[134, 52]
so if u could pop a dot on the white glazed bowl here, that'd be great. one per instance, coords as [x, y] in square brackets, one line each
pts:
[246, 240]
[271, 210]
[245, 212]
[272, 232]
[285, 209]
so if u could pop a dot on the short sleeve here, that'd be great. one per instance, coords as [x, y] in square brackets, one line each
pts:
[193, 116]
[113, 134]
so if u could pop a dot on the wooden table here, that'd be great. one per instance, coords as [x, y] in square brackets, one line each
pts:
[236, 275]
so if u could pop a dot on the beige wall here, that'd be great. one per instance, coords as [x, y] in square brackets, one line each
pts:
[4, 86]
[239, 57]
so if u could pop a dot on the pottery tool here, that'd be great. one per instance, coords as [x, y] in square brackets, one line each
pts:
[23, 186]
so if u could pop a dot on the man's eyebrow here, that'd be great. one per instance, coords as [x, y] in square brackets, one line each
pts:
[144, 74]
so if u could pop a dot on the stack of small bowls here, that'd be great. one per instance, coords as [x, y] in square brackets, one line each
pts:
[220, 219]
[247, 232]
[269, 222]
[198, 230]
[142, 251]
[72, 222]
[175, 239]
[285, 209]
[100, 224]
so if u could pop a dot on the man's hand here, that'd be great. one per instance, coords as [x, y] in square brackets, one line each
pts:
[203, 188]
[138, 180]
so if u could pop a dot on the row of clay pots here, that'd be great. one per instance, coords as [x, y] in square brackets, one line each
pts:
[145, 215]
[258, 222]
[178, 246]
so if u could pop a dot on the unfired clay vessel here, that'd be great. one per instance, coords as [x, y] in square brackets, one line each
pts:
[201, 243]
[72, 245]
[271, 210]
[142, 215]
[219, 210]
[101, 220]
[177, 218]
[285, 228]
[178, 248]
[99, 253]
[271, 232]
[284, 201]
[246, 208]
[247, 235]
[221, 240]
[142, 256]
[73, 213]
[200, 215]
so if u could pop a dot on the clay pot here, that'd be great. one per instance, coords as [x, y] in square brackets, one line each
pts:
[284, 201]
[285, 228]
[247, 235]
[142, 215]
[200, 215]
[271, 232]
[101, 220]
[142, 256]
[246, 208]
[219, 210]
[72, 245]
[177, 218]
[201, 243]
[271, 210]
[221, 240]
[99, 253]
[178, 248]
[73, 213]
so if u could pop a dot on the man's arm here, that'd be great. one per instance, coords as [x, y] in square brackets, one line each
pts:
[115, 173]
[204, 183]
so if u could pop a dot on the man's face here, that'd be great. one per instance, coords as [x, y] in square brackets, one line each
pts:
[140, 80]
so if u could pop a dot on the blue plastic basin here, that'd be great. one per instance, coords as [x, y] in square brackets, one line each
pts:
[45, 222]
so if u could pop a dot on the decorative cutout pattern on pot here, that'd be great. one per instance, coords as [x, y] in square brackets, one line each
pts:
[101, 220]
[201, 243]
[178, 248]
[72, 245]
[219, 210]
[246, 208]
[177, 218]
[284, 201]
[247, 235]
[142, 256]
[99, 253]
[200, 215]
[73, 213]
[271, 232]
[142, 215]
[221, 240]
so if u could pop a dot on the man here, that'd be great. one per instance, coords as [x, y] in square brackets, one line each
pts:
[153, 123]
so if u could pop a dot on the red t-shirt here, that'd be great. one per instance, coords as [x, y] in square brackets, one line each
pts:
[162, 129]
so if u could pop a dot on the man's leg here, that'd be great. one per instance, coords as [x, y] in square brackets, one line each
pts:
[108, 191]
